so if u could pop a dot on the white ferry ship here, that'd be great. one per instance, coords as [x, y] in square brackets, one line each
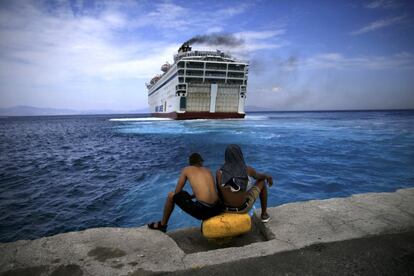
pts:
[199, 85]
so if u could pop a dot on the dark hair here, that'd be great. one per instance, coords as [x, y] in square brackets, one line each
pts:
[195, 159]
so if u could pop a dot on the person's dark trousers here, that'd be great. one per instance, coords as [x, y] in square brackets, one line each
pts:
[195, 208]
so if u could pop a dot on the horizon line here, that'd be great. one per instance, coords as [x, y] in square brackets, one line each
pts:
[265, 111]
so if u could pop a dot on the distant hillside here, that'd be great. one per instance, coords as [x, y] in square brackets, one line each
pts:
[23, 110]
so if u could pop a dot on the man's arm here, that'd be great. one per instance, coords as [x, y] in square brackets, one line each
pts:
[260, 176]
[181, 181]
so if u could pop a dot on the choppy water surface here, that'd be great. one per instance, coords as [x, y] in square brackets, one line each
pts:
[59, 174]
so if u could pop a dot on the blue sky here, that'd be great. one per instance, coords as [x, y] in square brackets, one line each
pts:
[304, 55]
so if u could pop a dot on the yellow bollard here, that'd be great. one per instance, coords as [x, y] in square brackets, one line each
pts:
[226, 225]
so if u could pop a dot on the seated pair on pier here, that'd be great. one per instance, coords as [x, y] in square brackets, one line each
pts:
[238, 187]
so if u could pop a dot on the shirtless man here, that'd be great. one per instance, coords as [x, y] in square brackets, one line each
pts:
[206, 203]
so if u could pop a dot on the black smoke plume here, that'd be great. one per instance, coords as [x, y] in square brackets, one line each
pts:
[215, 40]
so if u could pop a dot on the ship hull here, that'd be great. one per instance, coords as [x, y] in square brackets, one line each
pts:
[199, 115]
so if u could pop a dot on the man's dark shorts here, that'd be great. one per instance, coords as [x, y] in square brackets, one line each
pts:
[199, 210]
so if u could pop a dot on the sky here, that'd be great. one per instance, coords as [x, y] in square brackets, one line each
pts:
[303, 55]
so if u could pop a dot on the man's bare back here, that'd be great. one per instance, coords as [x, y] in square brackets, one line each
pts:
[202, 183]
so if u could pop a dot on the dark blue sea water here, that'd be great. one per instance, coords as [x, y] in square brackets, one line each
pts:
[66, 173]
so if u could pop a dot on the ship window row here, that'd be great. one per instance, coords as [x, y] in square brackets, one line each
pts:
[195, 65]
[204, 59]
[194, 73]
[204, 91]
[206, 80]
[211, 73]
[236, 75]
[213, 59]
[202, 54]
[215, 66]
[213, 69]
[217, 74]
[211, 80]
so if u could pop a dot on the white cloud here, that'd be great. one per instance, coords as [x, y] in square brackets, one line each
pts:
[268, 89]
[167, 16]
[256, 35]
[115, 20]
[47, 49]
[51, 48]
[232, 10]
[70, 50]
[379, 24]
[145, 67]
[215, 29]
[275, 89]
[259, 40]
[402, 60]
[384, 4]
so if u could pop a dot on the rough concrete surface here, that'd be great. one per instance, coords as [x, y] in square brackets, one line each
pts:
[101, 251]
[139, 251]
[389, 254]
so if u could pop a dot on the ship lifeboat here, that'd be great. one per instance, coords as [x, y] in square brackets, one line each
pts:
[155, 79]
[165, 67]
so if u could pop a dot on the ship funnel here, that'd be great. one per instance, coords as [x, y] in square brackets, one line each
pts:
[184, 48]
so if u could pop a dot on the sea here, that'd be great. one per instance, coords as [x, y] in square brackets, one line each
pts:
[69, 173]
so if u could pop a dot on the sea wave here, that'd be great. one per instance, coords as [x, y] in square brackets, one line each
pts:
[256, 117]
[147, 119]
[67, 173]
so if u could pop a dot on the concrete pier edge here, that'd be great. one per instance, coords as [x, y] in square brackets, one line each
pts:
[135, 251]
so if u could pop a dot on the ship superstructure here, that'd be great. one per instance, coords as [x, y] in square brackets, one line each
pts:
[199, 85]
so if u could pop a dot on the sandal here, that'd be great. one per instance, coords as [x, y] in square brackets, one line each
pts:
[157, 226]
[265, 218]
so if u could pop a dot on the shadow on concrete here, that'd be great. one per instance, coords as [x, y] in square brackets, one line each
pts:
[191, 240]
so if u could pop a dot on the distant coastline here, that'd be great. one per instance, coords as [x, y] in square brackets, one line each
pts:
[22, 111]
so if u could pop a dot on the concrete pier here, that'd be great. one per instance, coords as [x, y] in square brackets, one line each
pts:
[137, 251]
